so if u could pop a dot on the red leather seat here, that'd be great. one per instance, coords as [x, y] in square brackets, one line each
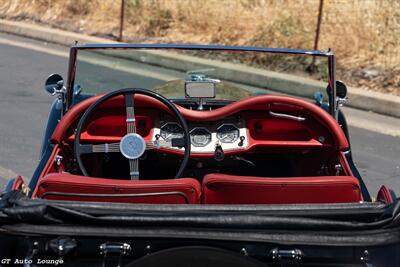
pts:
[228, 189]
[64, 186]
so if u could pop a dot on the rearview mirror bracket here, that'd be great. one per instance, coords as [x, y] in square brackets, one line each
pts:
[200, 86]
[55, 86]
[341, 94]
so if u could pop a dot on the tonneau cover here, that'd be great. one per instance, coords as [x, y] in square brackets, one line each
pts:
[323, 224]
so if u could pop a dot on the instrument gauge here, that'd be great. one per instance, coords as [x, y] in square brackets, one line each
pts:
[227, 133]
[200, 137]
[171, 130]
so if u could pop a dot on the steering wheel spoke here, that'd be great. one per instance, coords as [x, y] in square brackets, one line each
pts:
[130, 113]
[99, 148]
[157, 144]
[134, 169]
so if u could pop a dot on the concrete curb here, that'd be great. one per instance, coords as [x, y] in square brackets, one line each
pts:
[385, 104]
[358, 98]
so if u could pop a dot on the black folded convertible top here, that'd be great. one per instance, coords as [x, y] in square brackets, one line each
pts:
[322, 224]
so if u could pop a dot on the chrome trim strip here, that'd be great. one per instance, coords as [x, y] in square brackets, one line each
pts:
[286, 116]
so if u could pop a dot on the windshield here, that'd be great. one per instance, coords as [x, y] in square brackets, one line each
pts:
[234, 74]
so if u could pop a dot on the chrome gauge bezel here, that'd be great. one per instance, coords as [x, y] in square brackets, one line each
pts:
[227, 124]
[194, 142]
[165, 125]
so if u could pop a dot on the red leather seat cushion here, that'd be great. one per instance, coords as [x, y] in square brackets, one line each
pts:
[173, 191]
[228, 189]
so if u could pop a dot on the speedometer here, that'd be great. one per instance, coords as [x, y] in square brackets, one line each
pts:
[200, 137]
[171, 130]
[227, 133]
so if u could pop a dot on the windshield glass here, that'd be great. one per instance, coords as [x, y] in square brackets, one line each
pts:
[234, 74]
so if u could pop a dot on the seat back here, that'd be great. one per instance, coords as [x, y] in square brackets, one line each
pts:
[63, 186]
[228, 189]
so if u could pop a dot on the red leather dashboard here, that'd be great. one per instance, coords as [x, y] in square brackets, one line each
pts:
[109, 123]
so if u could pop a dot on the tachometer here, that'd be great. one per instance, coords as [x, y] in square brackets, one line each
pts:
[171, 130]
[200, 137]
[227, 133]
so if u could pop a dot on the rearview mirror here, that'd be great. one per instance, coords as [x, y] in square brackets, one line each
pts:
[199, 89]
[54, 84]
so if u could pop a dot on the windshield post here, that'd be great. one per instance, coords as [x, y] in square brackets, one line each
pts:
[332, 84]
[71, 76]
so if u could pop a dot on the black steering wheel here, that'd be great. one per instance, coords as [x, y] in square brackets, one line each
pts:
[132, 145]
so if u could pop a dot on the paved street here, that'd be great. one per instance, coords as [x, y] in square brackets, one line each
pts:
[24, 106]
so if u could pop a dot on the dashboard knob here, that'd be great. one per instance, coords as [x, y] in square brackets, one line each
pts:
[219, 154]
[241, 138]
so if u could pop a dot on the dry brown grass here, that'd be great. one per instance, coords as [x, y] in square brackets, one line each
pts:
[365, 34]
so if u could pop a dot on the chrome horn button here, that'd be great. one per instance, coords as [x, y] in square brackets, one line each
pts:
[132, 146]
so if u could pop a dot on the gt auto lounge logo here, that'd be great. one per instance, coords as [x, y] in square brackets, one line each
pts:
[4, 262]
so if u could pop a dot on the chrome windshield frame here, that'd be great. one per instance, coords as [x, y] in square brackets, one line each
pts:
[333, 107]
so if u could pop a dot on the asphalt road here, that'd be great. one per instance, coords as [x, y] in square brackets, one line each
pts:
[24, 107]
